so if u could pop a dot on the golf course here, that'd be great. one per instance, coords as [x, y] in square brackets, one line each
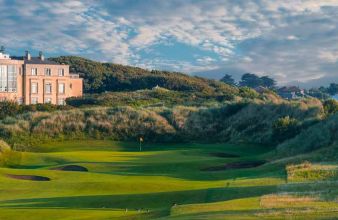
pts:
[103, 179]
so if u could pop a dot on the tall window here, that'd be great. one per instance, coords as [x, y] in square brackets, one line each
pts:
[48, 72]
[3, 78]
[61, 88]
[34, 87]
[8, 78]
[61, 72]
[12, 78]
[48, 88]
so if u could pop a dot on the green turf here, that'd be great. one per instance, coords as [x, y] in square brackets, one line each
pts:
[163, 181]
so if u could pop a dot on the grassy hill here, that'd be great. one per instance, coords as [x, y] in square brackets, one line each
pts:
[241, 122]
[101, 77]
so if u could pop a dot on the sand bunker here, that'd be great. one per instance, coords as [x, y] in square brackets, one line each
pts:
[235, 165]
[71, 168]
[223, 155]
[28, 177]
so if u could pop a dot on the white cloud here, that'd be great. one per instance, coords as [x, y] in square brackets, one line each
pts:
[328, 56]
[291, 39]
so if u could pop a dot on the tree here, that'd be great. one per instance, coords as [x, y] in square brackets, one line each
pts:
[267, 82]
[254, 81]
[333, 89]
[228, 80]
[320, 93]
[250, 80]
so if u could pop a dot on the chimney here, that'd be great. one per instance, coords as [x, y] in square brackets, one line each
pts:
[27, 55]
[41, 56]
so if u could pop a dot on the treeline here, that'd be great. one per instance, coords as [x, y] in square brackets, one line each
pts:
[250, 80]
[254, 81]
[102, 77]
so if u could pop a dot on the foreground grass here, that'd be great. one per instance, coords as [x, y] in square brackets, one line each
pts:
[163, 181]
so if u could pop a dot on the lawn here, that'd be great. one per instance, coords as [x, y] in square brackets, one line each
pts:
[164, 181]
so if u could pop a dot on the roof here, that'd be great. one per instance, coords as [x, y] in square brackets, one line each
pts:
[260, 89]
[35, 60]
[289, 89]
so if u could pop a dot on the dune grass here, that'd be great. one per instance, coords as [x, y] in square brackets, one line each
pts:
[163, 181]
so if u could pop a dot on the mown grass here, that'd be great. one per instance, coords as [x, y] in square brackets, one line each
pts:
[163, 181]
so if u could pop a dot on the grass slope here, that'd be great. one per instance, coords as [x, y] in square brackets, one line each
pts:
[161, 182]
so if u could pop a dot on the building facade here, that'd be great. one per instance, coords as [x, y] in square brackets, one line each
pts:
[32, 80]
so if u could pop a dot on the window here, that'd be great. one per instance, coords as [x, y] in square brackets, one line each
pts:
[8, 78]
[61, 88]
[61, 72]
[48, 72]
[48, 88]
[3, 78]
[48, 100]
[12, 78]
[34, 87]
[34, 100]
[34, 71]
[61, 102]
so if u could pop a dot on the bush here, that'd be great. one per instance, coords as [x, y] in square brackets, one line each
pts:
[247, 92]
[11, 109]
[4, 146]
[285, 128]
[6, 155]
[8, 108]
[330, 107]
[319, 135]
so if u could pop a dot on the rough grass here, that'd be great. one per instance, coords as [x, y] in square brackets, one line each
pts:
[311, 172]
[163, 181]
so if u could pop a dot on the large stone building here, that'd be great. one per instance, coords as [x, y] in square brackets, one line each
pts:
[31, 80]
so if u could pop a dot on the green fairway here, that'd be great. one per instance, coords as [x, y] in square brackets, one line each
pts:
[164, 181]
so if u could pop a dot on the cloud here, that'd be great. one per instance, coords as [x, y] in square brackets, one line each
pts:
[289, 40]
[292, 37]
[328, 56]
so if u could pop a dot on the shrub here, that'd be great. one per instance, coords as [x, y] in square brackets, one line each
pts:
[285, 128]
[4, 146]
[8, 108]
[247, 92]
[330, 107]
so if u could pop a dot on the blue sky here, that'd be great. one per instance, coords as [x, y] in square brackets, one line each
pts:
[294, 41]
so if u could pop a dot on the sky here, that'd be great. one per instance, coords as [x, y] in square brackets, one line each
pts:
[293, 41]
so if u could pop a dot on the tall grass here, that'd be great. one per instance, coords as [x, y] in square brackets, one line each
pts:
[242, 121]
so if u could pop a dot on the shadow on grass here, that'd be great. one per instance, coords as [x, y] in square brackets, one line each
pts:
[191, 170]
[147, 201]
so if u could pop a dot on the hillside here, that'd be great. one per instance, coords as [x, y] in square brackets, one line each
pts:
[101, 77]
[237, 122]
